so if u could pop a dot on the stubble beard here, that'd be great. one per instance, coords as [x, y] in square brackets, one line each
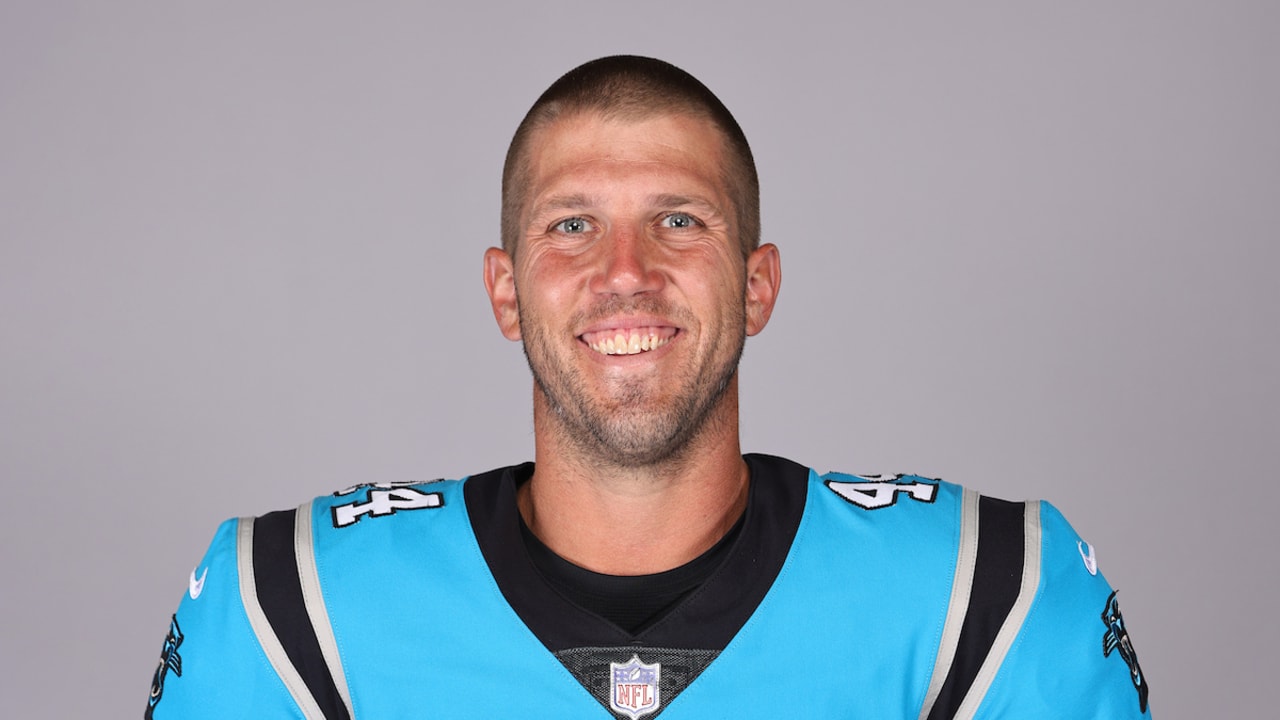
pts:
[629, 430]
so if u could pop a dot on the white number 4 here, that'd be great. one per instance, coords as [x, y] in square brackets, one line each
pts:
[881, 493]
[385, 501]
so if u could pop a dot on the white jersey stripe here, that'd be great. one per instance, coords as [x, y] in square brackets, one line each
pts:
[313, 598]
[957, 607]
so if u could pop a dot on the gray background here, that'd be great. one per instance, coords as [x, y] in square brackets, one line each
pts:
[1030, 247]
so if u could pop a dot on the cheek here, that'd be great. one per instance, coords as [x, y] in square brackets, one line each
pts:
[726, 286]
[547, 286]
[718, 305]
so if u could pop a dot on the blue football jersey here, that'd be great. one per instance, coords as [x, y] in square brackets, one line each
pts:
[842, 596]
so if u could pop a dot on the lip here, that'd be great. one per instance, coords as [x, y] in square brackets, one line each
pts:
[628, 322]
[607, 328]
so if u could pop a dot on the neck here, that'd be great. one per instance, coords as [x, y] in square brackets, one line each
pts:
[629, 520]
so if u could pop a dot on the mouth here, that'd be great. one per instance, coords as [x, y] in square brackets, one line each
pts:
[628, 341]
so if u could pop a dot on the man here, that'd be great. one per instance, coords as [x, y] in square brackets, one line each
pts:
[643, 566]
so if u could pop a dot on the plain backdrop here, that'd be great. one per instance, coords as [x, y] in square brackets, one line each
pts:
[1030, 247]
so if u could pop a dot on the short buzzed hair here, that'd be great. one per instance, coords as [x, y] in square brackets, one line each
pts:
[630, 87]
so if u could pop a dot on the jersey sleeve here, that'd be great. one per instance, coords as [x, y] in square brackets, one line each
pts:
[211, 664]
[1073, 657]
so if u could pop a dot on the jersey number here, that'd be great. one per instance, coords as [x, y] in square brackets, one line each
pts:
[384, 501]
[876, 495]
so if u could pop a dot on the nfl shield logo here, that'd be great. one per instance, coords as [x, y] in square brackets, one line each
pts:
[634, 687]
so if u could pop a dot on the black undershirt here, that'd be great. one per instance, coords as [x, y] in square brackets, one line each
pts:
[629, 601]
[705, 618]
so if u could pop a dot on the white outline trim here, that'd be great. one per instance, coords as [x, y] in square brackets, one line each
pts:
[958, 606]
[313, 598]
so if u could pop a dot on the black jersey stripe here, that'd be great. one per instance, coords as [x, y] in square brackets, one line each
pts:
[1012, 625]
[267, 639]
[997, 582]
[273, 596]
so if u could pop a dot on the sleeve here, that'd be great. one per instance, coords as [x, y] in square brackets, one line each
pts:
[1073, 657]
[211, 664]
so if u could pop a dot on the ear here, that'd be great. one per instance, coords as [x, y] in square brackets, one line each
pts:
[500, 283]
[764, 279]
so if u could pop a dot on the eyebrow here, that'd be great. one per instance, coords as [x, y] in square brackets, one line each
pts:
[676, 200]
[564, 202]
[578, 201]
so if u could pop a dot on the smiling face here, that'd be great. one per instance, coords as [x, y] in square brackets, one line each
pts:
[629, 287]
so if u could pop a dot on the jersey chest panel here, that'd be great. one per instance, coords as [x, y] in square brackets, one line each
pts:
[421, 626]
[849, 629]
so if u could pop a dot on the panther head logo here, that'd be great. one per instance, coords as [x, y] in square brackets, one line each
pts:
[169, 660]
[1117, 638]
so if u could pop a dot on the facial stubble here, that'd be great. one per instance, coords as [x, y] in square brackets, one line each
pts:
[629, 430]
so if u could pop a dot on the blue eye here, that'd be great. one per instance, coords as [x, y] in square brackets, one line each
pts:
[679, 220]
[572, 226]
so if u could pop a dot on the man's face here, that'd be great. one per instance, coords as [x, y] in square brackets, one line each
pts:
[629, 287]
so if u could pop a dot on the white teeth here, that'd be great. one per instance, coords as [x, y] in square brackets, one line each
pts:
[629, 342]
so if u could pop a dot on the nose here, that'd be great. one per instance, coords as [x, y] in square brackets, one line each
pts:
[627, 264]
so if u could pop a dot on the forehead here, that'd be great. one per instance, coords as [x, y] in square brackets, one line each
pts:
[587, 148]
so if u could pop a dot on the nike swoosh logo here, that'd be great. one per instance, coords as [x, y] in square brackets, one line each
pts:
[1086, 554]
[195, 587]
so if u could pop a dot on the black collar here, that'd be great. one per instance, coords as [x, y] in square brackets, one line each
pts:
[705, 618]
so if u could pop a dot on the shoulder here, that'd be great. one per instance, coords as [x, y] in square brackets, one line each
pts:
[875, 492]
[895, 506]
[356, 511]
[1033, 628]
[350, 505]
[1009, 528]
[285, 537]
[1073, 633]
[263, 591]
